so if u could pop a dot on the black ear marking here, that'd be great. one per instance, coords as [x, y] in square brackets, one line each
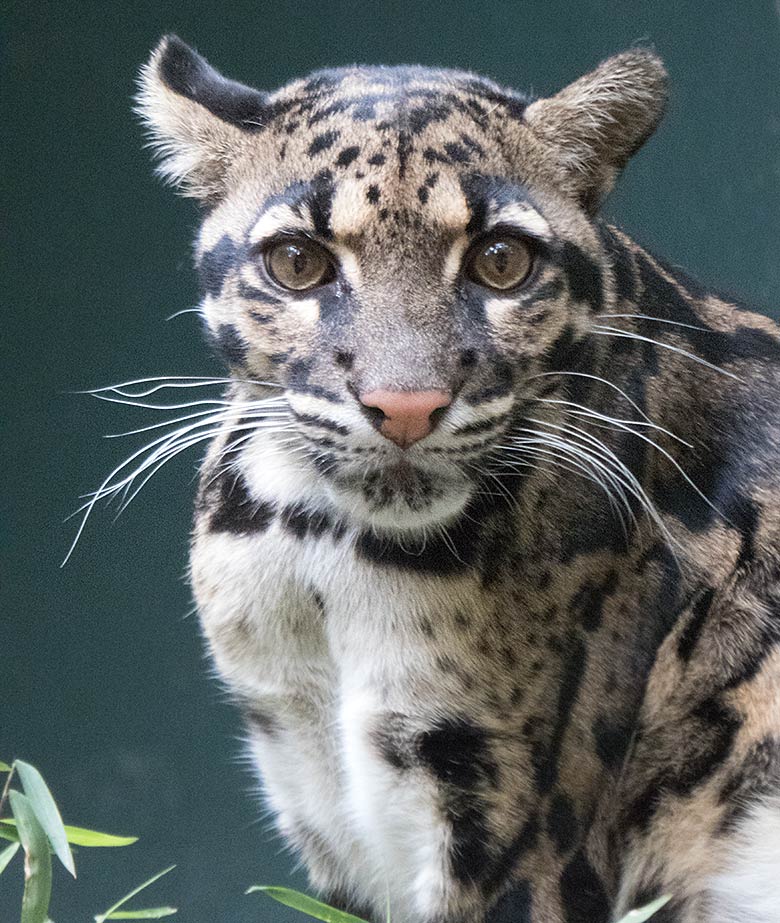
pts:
[185, 72]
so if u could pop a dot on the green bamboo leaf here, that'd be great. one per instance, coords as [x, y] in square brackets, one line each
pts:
[151, 913]
[78, 836]
[8, 829]
[47, 812]
[306, 904]
[644, 913]
[4, 767]
[7, 854]
[37, 866]
[102, 917]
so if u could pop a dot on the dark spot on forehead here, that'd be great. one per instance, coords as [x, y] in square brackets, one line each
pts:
[404, 150]
[372, 194]
[421, 117]
[347, 156]
[322, 142]
[320, 201]
[377, 160]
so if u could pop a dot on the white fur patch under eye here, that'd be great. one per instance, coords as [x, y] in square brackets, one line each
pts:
[498, 309]
[748, 889]
[307, 310]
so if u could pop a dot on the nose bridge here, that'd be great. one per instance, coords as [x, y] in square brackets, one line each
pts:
[404, 344]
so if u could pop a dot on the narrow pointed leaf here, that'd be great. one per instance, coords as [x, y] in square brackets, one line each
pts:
[151, 913]
[37, 866]
[8, 829]
[306, 904]
[78, 836]
[644, 913]
[7, 854]
[4, 767]
[47, 812]
[102, 917]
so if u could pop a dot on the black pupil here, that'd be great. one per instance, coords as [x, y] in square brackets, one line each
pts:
[299, 259]
[499, 254]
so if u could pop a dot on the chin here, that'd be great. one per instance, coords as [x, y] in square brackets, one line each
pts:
[400, 496]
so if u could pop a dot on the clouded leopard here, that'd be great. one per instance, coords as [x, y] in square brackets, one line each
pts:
[486, 541]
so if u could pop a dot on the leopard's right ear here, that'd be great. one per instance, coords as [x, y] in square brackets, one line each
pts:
[199, 122]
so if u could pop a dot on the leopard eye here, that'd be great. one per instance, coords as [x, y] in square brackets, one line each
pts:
[298, 264]
[500, 263]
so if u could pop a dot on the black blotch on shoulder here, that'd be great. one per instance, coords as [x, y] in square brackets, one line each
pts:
[758, 776]
[185, 72]
[526, 839]
[706, 737]
[215, 265]
[457, 752]
[583, 275]
[347, 156]
[562, 824]
[230, 345]
[689, 636]
[323, 142]
[611, 737]
[516, 906]
[583, 896]
[236, 511]
[588, 603]
[469, 854]
[546, 755]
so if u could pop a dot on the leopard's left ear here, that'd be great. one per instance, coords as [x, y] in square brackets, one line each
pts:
[594, 125]
[199, 121]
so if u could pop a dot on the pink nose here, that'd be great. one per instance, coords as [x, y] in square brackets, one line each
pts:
[407, 413]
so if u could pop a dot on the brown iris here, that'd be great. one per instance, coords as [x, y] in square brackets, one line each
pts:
[298, 264]
[501, 263]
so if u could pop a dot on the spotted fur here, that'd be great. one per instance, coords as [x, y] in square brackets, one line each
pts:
[491, 676]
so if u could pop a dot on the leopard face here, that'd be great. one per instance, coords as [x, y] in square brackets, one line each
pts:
[408, 254]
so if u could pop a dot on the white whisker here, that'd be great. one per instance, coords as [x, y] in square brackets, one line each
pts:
[661, 320]
[629, 335]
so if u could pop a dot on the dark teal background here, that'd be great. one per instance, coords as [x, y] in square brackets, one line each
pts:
[104, 683]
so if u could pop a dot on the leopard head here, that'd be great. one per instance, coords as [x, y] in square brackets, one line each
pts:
[406, 252]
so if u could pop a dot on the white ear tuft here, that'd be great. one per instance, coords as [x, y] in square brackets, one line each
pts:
[597, 123]
[199, 122]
